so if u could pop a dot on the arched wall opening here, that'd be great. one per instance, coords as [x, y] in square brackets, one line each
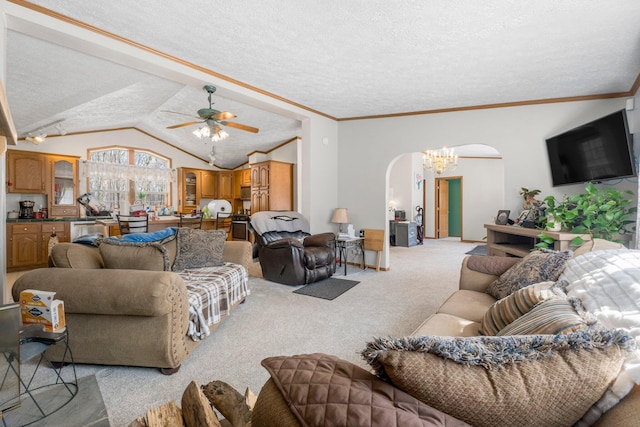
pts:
[481, 173]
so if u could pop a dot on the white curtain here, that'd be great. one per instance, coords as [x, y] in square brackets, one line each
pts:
[113, 171]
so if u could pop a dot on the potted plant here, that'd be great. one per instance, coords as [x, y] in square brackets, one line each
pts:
[602, 213]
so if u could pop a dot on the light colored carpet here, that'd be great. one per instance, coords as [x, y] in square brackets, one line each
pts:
[275, 321]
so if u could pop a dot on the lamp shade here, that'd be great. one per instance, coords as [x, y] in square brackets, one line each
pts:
[340, 216]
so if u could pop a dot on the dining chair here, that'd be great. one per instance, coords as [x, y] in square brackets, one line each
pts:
[190, 221]
[223, 221]
[133, 224]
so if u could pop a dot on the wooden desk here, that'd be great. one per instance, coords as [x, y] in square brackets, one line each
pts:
[513, 240]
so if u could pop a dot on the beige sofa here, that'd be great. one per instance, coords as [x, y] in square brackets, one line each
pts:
[459, 316]
[135, 314]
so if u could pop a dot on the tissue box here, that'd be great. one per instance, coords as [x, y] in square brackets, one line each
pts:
[40, 307]
[36, 298]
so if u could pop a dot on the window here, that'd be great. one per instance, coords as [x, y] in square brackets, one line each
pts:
[121, 176]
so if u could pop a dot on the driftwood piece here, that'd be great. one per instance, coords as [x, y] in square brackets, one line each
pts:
[167, 415]
[196, 409]
[250, 398]
[138, 422]
[231, 404]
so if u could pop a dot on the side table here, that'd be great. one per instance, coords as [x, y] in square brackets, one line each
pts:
[34, 342]
[344, 244]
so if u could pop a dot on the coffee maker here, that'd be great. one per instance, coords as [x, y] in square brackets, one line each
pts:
[26, 209]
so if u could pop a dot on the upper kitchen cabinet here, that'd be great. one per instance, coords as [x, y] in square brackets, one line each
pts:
[63, 186]
[26, 172]
[197, 184]
[271, 186]
[225, 185]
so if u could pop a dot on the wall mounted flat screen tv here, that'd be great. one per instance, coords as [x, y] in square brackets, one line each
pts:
[596, 151]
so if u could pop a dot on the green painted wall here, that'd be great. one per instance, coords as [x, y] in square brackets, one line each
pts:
[455, 207]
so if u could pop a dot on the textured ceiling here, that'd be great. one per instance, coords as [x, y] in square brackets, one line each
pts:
[343, 59]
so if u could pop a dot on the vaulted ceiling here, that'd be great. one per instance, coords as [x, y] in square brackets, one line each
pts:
[341, 59]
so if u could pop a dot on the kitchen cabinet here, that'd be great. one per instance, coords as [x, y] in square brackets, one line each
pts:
[197, 184]
[225, 185]
[63, 186]
[209, 187]
[28, 243]
[26, 172]
[271, 186]
[245, 175]
[50, 174]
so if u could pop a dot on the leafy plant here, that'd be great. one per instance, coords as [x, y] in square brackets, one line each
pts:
[602, 213]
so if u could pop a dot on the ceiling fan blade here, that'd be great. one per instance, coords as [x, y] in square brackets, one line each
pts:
[241, 127]
[182, 114]
[182, 125]
[223, 115]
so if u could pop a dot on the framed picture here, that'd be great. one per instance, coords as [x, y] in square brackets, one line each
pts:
[503, 217]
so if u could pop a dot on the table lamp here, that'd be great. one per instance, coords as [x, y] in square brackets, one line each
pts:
[340, 216]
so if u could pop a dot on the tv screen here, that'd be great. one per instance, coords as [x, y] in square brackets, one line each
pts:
[596, 151]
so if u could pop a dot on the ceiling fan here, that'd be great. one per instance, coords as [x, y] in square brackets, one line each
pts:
[213, 119]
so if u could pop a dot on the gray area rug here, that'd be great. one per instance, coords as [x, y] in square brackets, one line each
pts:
[478, 250]
[85, 409]
[330, 288]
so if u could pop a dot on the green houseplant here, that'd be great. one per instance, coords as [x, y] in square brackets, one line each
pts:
[602, 213]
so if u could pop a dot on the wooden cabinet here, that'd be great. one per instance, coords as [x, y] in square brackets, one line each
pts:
[513, 240]
[209, 187]
[28, 243]
[271, 186]
[53, 175]
[245, 176]
[197, 184]
[62, 185]
[26, 172]
[225, 185]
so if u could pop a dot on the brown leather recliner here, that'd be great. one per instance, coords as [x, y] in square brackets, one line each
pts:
[288, 253]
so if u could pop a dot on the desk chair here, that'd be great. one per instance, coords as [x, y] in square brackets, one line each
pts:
[133, 224]
[190, 221]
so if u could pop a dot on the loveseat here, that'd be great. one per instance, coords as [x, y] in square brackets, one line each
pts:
[144, 299]
[556, 364]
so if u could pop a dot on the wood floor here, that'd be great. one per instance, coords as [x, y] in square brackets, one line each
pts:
[10, 278]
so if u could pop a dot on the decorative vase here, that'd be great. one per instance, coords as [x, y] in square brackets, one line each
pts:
[557, 225]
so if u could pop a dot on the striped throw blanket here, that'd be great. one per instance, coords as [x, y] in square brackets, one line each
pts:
[212, 292]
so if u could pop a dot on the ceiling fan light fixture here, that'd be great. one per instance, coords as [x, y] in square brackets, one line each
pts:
[212, 157]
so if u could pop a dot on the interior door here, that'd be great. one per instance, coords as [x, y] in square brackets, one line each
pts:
[442, 208]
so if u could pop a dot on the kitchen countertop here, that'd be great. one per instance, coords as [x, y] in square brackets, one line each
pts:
[67, 219]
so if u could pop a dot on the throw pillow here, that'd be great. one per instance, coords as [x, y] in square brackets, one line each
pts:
[606, 281]
[320, 389]
[160, 236]
[508, 309]
[539, 266]
[552, 316]
[199, 248]
[134, 255]
[523, 380]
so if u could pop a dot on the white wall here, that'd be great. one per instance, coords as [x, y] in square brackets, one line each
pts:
[518, 133]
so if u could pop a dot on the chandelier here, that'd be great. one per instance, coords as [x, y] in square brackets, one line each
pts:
[439, 160]
[215, 132]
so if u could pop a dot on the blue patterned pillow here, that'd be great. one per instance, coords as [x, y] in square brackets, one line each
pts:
[155, 236]
[199, 248]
